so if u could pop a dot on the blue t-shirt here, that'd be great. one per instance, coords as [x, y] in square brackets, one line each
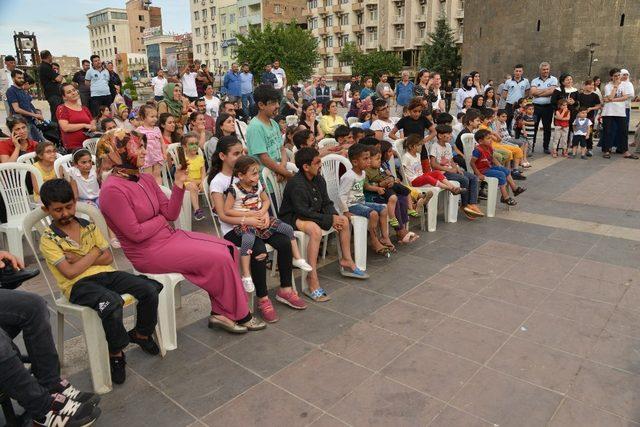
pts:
[264, 139]
[99, 81]
[516, 89]
[22, 97]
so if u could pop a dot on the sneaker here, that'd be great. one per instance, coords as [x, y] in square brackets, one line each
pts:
[254, 324]
[267, 311]
[571, 155]
[583, 157]
[148, 345]
[65, 388]
[291, 299]
[589, 153]
[68, 413]
[247, 283]
[118, 371]
[302, 264]
[198, 215]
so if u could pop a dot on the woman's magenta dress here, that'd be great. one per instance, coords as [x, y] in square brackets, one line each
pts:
[139, 215]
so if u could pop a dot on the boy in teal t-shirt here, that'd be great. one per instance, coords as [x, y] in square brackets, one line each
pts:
[264, 140]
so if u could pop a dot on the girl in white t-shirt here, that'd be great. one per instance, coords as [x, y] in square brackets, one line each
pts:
[84, 178]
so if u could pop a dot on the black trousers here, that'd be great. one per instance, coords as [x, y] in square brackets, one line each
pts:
[279, 242]
[615, 134]
[509, 108]
[27, 313]
[102, 293]
[544, 114]
[97, 101]
[54, 102]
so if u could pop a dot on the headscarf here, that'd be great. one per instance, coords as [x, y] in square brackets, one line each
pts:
[117, 151]
[173, 106]
[464, 80]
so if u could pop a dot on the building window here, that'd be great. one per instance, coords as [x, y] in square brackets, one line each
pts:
[214, 46]
[622, 20]
[312, 4]
[197, 32]
[344, 2]
[344, 39]
[400, 33]
[204, 14]
[328, 2]
[328, 21]
[196, 15]
[141, 30]
[313, 23]
[140, 18]
[242, 29]
[198, 48]
[373, 14]
[328, 42]
[214, 28]
[344, 19]
[538, 26]
[242, 11]
[113, 28]
[277, 9]
[224, 51]
[114, 39]
[223, 18]
[232, 18]
[213, 12]
[328, 61]
[224, 35]
[205, 31]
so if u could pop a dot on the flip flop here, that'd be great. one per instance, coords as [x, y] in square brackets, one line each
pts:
[630, 156]
[409, 238]
[319, 295]
[356, 273]
[394, 222]
[413, 213]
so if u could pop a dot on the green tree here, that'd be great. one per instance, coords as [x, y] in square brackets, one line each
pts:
[295, 47]
[349, 53]
[442, 54]
[128, 84]
[370, 64]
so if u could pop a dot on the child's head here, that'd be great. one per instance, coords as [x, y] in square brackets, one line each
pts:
[46, 151]
[82, 160]
[529, 109]
[148, 115]
[562, 104]
[386, 149]
[503, 115]
[370, 141]
[343, 135]
[189, 143]
[488, 115]
[247, 169]
[443, 133]
[308, 161]
[58, 201]
[108, 124]
[282, 123]
[123, 112]
[103, 112]
[588, 85]
[365, 116]
[355, 95]
[472, 119]
[357, 134]
[460, 117]
[291, 130]
[415, 108]
[304, 138]
[522, 102]
[381, 108]
[413, 143]
[133, 118]
[359, 157]
[444, 119]
[582, 113]
[375, 156]
[267, 100]
[483, 137]
[227, 152]
[468, 102]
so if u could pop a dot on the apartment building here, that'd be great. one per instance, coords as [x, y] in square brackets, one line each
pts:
[109, 32]
[401, 26]
[156, 46]
[215, 23]
[141, 16]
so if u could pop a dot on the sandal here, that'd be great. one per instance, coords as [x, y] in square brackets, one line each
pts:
[355, 273]
[413, 213]
[394, 222]
[630, 156]
[519, 191]
[409, 237]
[384, 251]
[510, 201]
[319, 295]
[607, 155]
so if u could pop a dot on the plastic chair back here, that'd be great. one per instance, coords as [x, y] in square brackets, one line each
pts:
[468, 144]
[331, 173]
[13, 189]
[29, 158]
[172, 150]
[214, 216]
[292, 120]
[352, 120]
[90, 144]
[356, 125]
[63, 163]
[327, 143]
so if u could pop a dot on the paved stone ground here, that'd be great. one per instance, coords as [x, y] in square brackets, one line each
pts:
[527, 319]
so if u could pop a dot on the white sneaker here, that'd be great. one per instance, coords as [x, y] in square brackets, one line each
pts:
[302, 264]
[248, 285]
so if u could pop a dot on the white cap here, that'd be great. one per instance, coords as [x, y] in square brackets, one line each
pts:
[624, 71]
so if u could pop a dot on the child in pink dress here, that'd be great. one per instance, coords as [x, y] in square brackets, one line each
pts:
[156, 155]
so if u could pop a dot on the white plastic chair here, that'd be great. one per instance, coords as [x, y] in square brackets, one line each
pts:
[30, 158]
[184, 219]
[214, 217]
[330, 171]
[64, 163]
[468, 144]
[292, 120]
[352, 120]
[96, 344]
[394, 119]
[91, 144]
[17, 201]
[356, 125]
[450, 201]
[327, 143]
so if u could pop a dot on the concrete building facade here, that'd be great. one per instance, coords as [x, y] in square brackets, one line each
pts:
[496, 38]
[68, 64]
[109, 32]
[401, 26]
[156, 46]
[141, 16]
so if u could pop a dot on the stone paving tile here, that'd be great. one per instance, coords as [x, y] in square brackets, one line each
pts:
[356, 302]
[368, 345]
[321, 378]
[379, 401]
[515, 293]
[596, 289]
[625, 321]
[609, 389]
[462, 279]
[618, 351]
[441, 298]
[450, 416]
[576, 414]
[483, 264]
[315, 324]
[607, 272]
[328, 421]
[565, 247]
[577, 308]
[507, 401]
[431, 371]
[465, 339]
[250, 409]
[493, 314]
[405, 319]
[502, 250]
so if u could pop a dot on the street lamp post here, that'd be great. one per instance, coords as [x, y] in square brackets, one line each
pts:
[592, 48]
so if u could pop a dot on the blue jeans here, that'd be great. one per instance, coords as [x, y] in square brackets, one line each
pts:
[248, 104]
[498, 172]
[470, 182]
[365, 208]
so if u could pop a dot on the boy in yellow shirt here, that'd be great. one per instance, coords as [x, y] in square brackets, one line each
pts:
[80, 260]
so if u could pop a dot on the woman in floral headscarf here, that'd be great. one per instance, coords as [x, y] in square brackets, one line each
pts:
[139, 213]
[174, 103]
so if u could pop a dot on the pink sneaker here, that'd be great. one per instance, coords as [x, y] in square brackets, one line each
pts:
[291, 299]
[267, 311]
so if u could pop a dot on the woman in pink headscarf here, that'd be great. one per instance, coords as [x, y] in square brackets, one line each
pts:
[138, 212]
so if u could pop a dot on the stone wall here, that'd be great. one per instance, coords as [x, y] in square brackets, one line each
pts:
[498, 37]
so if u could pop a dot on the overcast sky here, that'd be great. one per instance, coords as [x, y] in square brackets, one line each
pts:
[61, 26]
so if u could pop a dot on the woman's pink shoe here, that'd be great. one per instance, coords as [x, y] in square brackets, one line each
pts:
[267, 311]
[291, 299]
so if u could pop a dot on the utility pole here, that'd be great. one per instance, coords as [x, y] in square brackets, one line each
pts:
[592, 48]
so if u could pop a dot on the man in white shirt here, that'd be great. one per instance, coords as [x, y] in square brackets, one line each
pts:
[188, 80]
[6, 81]
[542, 87]
[382, 126]
[280, 75]
[158, 83]
[627, 87]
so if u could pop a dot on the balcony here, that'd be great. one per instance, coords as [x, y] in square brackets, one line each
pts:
[322, 31]
[337, 8]
[357, 28]
[397, 19]
[371, 44]
[306, 12]
[460, 14]
[336, 49]
[337, 29]
[357, 6]
[322, 10]
[420, 18]
[398, 42]
[419, 41]
[370, 2]
[322, 51]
